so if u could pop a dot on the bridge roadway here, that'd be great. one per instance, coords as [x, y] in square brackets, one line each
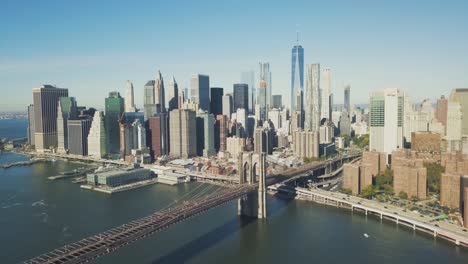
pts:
[106, 242]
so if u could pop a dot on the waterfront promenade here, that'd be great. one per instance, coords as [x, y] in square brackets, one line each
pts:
[453, 233]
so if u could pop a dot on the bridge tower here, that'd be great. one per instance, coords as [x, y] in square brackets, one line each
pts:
[252, 170]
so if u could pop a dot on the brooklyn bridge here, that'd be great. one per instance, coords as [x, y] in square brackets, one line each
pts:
[250, 193]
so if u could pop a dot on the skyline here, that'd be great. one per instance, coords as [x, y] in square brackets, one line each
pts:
[367, 45]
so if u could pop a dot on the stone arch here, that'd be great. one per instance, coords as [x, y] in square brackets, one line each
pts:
[246, 172]
[255, 172]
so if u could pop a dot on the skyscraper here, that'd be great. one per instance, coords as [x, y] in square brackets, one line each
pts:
[312, 102]
[216, 100]
[241, 96]
[67, 110]
[261, 101]
[78, 131]
[209, 146]
[386, 120]
[297, 73]
[326, 95]
[149, 104]
[347, 98]
[200, 91]
[277, 101]
[172, 94]
[114, 107]
[460, 95]
[97, 136]
[248, 78]
[159, 93]
[139, 135]
[265, 75]
[129, 98]
[227, 105]
[31, 125]
[46, 100]
[441, 111]
[182, 124]
[158, 135]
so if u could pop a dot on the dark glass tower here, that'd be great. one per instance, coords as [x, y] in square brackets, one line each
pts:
[297, 74]
[241, 96]
[114, 107]
[216, 102]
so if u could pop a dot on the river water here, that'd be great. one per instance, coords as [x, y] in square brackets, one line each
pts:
[38, 215]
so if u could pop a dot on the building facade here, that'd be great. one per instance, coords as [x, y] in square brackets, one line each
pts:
[386, 120]
[297, 73]
[97, 136]
[200, 91]
[114, 108]
[216, 100]
[46, 99]
[182, 124]
[312, 103]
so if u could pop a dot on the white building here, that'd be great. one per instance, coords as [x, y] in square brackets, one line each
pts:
[312, 102]
[97, 136]
[227, 105]
[139, 135]
[129, 98]
[386, 120]
[275, 117]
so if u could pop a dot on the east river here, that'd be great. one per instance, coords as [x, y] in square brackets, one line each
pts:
[38, 215]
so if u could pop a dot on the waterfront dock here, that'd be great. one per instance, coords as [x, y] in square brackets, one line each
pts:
[71, 174]
[23, 163]
[127, 187]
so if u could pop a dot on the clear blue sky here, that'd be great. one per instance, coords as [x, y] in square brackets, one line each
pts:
[93, 47]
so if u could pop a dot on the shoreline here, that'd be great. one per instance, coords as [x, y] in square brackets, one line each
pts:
[416, 225]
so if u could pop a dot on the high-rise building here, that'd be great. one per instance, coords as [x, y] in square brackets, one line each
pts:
[265, 75]
[277, 101]
[159, 93]
[297, 73]
[129, 98]
[45, 103]
[345, 124]
[249, 79]
[149, 104]
[200, 91]
[275, 117]
[31, 125]
[441, 111]
[227, 105]
[97, 136]
[347, 98]
[326, 95]
[460, 95]
[158, 135]
[114, 108]
[67, 109]
[78, 131]
[182, 124]
[454, 121]
[139, 135]
[221, 132]
[173, 94]
[312, 102]
[208, 126]
[386, 120]
[241, 96]
[262, 101]
[216, 102]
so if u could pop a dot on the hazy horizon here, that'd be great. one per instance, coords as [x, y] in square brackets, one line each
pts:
[92, 48]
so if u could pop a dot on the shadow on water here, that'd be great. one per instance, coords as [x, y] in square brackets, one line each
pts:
[206, 241]
[194, 247]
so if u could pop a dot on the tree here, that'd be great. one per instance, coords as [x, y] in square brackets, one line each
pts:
[384, 181]
[403, 195]
[368, 192]
[434, 171]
